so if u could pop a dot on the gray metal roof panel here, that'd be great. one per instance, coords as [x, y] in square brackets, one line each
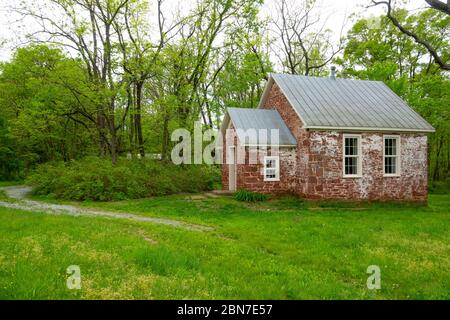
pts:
[346, 103]
[247, 119]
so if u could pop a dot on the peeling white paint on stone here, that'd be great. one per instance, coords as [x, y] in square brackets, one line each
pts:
[326, 156]
[324, 142]
[372, 142]
[288, 160]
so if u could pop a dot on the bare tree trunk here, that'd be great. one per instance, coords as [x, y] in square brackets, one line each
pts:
[130, 94]
[113, 139]
[102, 143]
[138, 122]
[165, 138]
[438, 153]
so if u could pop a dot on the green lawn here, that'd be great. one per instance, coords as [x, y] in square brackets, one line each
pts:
[280, 249]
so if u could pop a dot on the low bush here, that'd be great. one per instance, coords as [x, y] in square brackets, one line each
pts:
[93, 178]
[249, 196]
[440, 187]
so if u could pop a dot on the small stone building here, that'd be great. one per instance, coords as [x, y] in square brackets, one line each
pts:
[337, 139]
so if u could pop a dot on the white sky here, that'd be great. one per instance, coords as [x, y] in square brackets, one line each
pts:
[332, 10]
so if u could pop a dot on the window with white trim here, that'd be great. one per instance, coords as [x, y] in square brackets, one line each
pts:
[391, 155]
[352, 155]
[271, 168]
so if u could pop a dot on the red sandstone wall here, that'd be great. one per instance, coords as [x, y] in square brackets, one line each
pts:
[276, 100]
[251, 176]
[325, 169]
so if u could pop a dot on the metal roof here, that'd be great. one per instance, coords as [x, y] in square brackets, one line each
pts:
[247, 119]
[325, 103]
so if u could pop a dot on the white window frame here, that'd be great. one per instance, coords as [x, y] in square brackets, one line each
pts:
[359, 156]
[277, 168]
[397, 156]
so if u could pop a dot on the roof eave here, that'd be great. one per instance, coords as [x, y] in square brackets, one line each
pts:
[371, 129]
[269, 145]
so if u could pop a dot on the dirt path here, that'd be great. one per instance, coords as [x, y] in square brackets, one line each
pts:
[18, 193]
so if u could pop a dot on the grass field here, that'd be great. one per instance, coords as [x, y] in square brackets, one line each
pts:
[280, 249]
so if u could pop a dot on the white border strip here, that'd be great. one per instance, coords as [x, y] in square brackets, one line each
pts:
[370, 129]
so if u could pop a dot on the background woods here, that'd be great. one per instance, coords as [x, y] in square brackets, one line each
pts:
[109, 78]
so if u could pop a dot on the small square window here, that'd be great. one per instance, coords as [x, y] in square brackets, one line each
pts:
[271, 168]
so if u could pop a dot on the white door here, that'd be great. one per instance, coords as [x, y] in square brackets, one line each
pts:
[232, 169]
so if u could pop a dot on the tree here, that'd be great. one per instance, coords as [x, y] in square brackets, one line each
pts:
[140, 59]
[38, 107]
[376, 50]
[10, 163]
[440, 56]
[88, 28]
[440, 5]
[191, 64]
[240, 71]
[303, 45]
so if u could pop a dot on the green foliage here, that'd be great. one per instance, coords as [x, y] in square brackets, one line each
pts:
[37, 105]
[430, 96]
[440, 187]
[377, 50]
[10, 164]
[249, 196]
[97, 179]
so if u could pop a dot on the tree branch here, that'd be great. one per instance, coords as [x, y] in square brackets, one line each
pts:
[433, 52]
[439, 5]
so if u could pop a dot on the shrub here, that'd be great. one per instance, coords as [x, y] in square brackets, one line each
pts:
[249, 196]
[93, 178]
[440, 187]
[10, 164]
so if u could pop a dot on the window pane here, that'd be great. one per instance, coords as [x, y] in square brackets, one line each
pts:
[390, 146]
[390, 165]
[271, 168]
[271, 173]
[271, 163]
[387, 165]
[351, 165]
[351, 146]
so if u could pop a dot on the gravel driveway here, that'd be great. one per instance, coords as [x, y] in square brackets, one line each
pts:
[18, 193]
